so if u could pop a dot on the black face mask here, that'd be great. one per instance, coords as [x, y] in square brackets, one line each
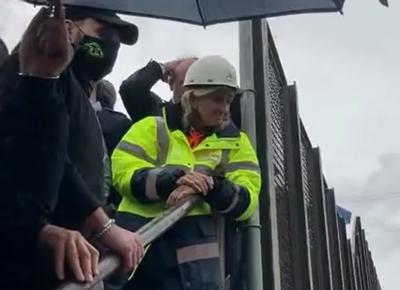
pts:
[94, 59]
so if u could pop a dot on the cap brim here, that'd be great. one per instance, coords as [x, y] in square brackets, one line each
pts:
[128, 32]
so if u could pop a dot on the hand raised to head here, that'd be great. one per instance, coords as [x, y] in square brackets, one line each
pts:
[45, 49]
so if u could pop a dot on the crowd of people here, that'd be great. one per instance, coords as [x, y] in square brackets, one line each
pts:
[79, 179]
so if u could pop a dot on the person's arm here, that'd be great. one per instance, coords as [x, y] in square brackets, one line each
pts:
[236, 194]
[70, 249]
[38, 149]
[76, 201]
[125, 244]
[34, 156]
[33, 165]
[136, 93]
[135, 167]
[43, 146]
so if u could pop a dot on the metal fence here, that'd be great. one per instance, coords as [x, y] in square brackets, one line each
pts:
[303, 242]
[312, 248]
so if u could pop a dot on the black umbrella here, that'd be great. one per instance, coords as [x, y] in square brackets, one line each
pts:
[206, 12]
[384, 2]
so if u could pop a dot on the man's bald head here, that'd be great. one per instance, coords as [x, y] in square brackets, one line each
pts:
[177, 76]
[3, 51]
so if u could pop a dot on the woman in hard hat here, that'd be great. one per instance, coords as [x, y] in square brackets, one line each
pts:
[195, 150]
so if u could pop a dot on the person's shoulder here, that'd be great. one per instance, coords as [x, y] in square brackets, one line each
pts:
[109, 111]
[68, 78]
[115, 116]
[244, 138]
[146, 128]
[157, 99]
[149, 120]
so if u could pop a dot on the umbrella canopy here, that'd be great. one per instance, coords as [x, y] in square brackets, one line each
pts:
[384, 2]
[206, 12]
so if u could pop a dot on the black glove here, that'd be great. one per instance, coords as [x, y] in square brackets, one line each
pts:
[165, 183]
[228, 198]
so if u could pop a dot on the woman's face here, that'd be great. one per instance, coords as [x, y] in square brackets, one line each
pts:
[214, 108]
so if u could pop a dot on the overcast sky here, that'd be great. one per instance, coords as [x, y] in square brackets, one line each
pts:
[347, 68]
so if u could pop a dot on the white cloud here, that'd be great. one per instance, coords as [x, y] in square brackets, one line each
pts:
[378, 204]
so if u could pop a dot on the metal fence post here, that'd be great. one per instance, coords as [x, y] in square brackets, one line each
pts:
[332, 228]
[263, 257]
[345, 267]
[296, 170]
[322, 266]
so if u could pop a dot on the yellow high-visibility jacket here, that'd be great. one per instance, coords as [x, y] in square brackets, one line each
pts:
[153, 150]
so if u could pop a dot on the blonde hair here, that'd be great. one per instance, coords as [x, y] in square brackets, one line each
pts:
[187, 108]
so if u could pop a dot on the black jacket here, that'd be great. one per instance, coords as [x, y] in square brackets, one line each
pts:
[3, 51]
[50, 161]
[136, 94]
[114, 126]
[141, 102]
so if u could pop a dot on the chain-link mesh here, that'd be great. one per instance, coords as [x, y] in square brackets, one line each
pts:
[320, 233]
[276, 86]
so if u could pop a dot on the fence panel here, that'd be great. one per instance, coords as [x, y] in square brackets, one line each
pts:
[277, 85]
[334, 252]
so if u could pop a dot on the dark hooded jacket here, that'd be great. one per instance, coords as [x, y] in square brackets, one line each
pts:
[51, 164]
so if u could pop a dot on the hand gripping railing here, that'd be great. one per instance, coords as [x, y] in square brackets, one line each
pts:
[148, 233]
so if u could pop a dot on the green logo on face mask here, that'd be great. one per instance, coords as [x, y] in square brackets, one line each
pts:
[93, 49]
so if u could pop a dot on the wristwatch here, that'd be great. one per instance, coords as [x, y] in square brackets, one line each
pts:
[39, 77]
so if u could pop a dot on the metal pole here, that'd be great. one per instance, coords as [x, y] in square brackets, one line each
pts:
[148, 233]
[262, 255]
[254, 275]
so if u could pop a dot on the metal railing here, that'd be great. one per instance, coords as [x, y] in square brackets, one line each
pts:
[148, 233]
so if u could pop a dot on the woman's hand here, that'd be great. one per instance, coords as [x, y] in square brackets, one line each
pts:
[199, 182]
[180, 193]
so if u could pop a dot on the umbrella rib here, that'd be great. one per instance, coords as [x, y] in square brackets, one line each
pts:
[200, 12]
[339, 5]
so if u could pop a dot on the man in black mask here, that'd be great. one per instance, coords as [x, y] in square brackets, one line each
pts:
[51, 150]
[96, 36]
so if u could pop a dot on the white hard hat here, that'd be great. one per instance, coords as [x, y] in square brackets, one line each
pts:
[211, 71]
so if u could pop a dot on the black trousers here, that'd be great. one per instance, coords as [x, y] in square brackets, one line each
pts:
[161, 268]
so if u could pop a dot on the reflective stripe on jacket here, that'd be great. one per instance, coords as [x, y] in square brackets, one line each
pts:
[153, 145]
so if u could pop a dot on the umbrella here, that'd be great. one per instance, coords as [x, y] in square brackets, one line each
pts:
[384, 2]
[206, 12]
